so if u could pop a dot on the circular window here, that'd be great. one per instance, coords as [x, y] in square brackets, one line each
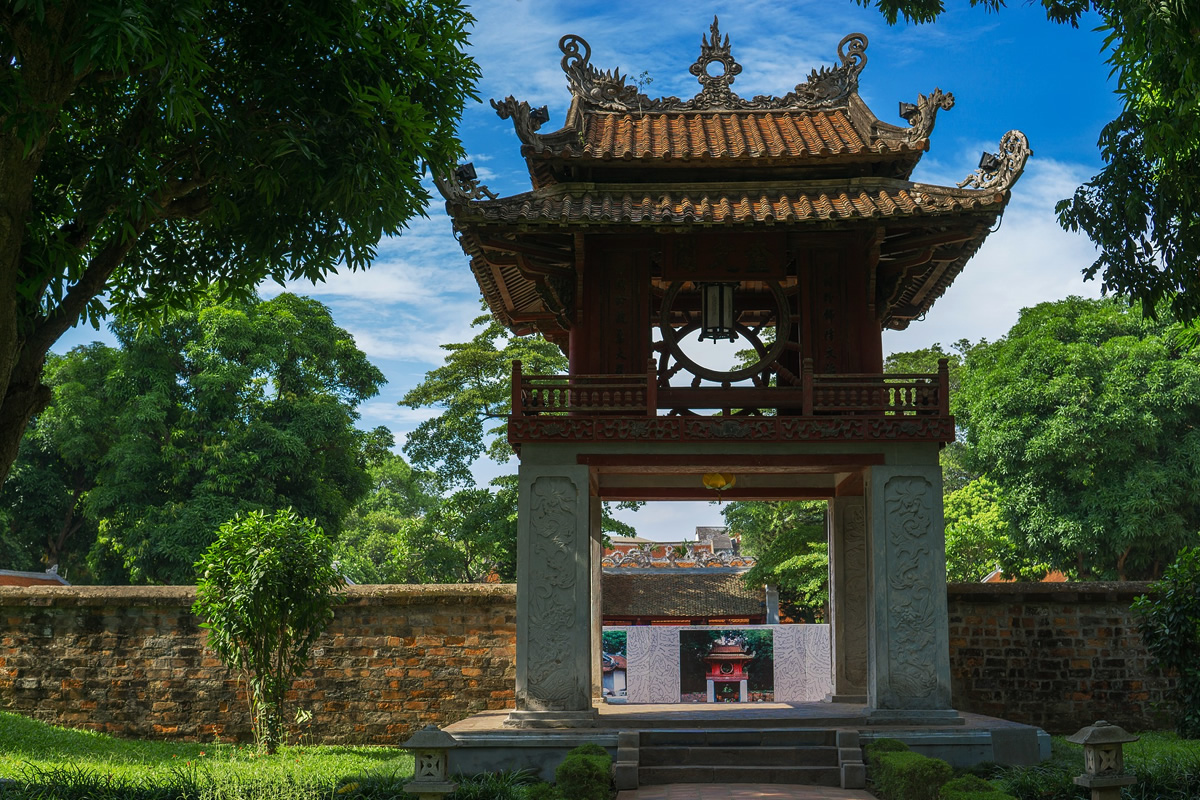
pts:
[727, 669]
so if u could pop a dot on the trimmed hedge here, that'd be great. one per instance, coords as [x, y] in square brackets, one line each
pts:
[900, 774]
[585, 774]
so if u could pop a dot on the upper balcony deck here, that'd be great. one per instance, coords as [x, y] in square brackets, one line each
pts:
[829, 408]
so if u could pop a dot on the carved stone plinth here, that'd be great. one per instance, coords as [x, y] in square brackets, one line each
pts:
[848, 598]
[909, 655]
[554, 603]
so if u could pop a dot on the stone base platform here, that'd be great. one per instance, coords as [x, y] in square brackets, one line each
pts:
[488, 744]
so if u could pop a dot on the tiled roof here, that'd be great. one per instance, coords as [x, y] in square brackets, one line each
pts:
[690, 593]
[753, 135]
[657, 205]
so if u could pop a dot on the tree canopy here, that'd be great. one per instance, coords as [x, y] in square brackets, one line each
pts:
[151, 150]
[227, 407]
[1142, 210]
[788, 542]
[1086, 418]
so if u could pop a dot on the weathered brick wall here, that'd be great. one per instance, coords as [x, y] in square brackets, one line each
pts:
[132, 661]
[1056, 655]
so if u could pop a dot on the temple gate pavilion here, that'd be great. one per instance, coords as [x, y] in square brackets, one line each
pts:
[790, 227]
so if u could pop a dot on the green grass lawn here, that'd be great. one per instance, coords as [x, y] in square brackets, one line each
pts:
[26, 743]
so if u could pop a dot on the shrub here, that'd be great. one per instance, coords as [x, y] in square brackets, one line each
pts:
[1170, 626]
[266, 592]
[542, 791]
[904, 775]
[885, 746]
[508, 785]
[972, 787]
[585, 774]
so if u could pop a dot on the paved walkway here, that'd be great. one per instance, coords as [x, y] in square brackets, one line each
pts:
[742, 791]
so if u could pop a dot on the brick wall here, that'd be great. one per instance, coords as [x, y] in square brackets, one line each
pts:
[1056, 655]
[133, 661]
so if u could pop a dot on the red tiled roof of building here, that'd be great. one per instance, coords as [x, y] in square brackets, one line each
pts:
[658, 205]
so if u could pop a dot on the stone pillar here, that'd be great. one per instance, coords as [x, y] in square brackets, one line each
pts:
[848, 598]
[908, 668]
[771, 598]
[712, 691]
[743, 695]
[554, 603]
[595, 516]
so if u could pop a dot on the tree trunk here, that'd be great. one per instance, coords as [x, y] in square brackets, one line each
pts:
[24, 396]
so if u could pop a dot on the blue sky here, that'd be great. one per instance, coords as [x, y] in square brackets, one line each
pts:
[1007, 70]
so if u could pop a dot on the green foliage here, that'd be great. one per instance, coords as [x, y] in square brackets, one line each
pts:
[977, 536]
[1170, 626]
[585, 774]
[1142, 210]
[474, 389]
[885, 745]
[59, 460]
[1167, 768]
[41, 748]
[1085, 417]
[971, 787]
[507, 785]
[151, 150]
[227, 407]
[789, 542]
[614, 642]
[907, 775]
[266, 591]
[542, 791]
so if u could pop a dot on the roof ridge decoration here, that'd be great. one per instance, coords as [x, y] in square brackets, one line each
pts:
[1000, 171]
[828, 87]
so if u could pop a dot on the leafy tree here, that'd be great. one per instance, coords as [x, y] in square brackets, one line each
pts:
[788, 541]
[1142, 210]
[1086, 417]
[59, 460]
[228, 407]
[977, 539]
[149, 150]
[266, 591]
[1170, 624]
[474, 390]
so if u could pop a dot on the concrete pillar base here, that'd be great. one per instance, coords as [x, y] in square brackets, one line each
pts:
[552, 719]
[913, 716]
[856, 699]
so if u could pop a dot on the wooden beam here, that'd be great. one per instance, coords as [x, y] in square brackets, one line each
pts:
[780, 493]
[698, 464]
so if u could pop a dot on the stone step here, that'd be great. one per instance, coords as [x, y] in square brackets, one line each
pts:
[739, 756]
[808, 776]
[774, 737]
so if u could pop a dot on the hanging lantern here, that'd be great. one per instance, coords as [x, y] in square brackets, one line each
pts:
[716, 311]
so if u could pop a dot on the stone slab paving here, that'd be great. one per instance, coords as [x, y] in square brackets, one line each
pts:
[742, 791]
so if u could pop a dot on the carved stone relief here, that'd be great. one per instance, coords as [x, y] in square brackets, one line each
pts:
[551, 682]
[653, 664]
[802, 655]
[908, 504]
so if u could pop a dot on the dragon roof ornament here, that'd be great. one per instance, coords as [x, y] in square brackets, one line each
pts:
[1000, 171]
[828, 87]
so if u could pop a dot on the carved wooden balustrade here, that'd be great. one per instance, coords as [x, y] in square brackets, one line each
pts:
[815, 395]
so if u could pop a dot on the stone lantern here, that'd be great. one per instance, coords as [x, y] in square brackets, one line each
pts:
[1103, 759]
[430, 747]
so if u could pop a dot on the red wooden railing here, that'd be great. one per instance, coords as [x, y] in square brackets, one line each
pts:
[816, 395]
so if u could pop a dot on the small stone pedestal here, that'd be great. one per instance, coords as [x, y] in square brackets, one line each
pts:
[1105, 788]
[431, 769]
